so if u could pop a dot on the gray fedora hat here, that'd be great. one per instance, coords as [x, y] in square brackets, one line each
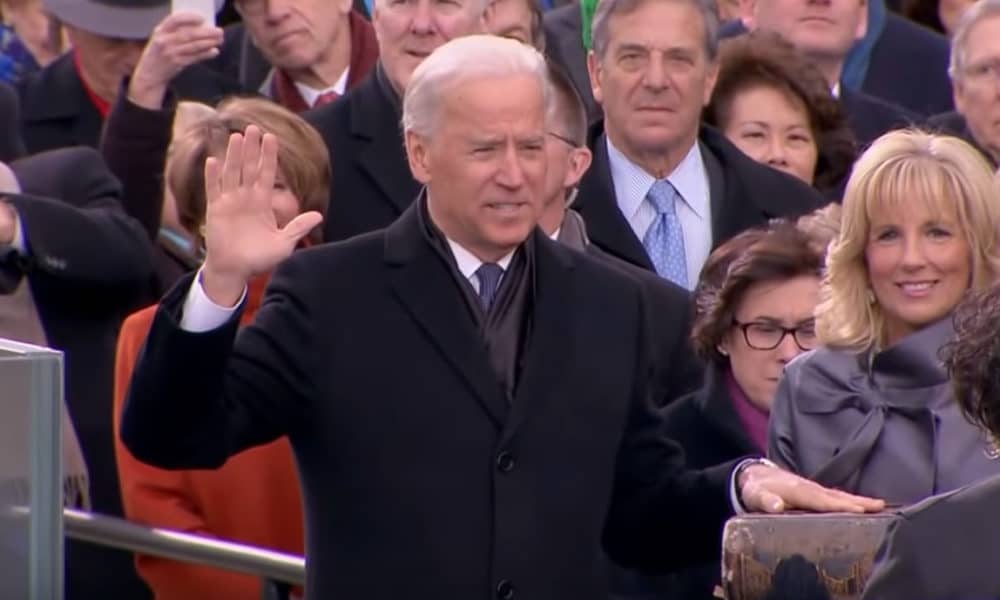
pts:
[123, 19]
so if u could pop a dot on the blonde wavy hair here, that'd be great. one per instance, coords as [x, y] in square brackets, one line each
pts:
[899, 169]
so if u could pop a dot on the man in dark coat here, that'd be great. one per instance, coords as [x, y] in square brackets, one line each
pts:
[652, 140]
[676, 370]
[870, 58]
[269, 51]
[469, 395]
[975, 50]
[373, 184]
[65, 103]
[87, 266]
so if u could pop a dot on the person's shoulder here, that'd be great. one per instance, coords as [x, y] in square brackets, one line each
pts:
[136, 325]
[821, 363]
[662, 290]
[900, 31]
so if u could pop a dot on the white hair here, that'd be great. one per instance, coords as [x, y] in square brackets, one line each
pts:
[983, 9]
[464, 58]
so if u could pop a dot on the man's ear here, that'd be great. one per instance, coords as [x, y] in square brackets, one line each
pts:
[418, 157]
[862, 29]
[579, 162]
[594, 69]
[747, 10]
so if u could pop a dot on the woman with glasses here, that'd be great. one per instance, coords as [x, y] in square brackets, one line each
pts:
[871, 411]
[753, 314]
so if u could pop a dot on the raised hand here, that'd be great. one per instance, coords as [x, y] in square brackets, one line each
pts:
[242, 237]
[774, 490]
[180, 40]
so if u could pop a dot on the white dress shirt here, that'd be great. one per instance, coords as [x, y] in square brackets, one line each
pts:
[690, 179]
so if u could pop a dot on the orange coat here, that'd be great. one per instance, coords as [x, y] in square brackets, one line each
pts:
[253, 499]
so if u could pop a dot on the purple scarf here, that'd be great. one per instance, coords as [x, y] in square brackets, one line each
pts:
[753, 419]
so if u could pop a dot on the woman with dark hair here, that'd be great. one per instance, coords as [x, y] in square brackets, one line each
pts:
[777, 108]
[753, 314]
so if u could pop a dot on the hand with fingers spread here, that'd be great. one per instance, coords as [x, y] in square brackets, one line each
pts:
[179, 41]
[770, 489]
[242, 237]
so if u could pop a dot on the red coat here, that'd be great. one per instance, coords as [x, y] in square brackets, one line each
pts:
[253, 499]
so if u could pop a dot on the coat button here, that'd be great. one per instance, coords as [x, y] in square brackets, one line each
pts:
[505, 462]
[505, 590]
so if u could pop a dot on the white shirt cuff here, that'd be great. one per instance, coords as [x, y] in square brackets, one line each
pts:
[201, 314]
[734, 494]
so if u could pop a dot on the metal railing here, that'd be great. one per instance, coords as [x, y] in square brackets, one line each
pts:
[185, 547]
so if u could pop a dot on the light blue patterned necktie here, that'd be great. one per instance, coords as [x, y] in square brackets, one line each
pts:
[664, 240]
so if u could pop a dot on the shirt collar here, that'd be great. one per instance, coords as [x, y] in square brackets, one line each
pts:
[310, 94]
[467, 262]
[632, 182]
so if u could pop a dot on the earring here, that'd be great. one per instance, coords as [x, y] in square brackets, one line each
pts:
[870, 296]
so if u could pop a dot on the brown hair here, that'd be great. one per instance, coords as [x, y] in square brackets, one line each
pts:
[777, 252]
[972, 359]
[765, 59]
[303, 159]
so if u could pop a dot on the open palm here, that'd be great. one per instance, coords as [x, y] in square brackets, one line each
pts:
[242, 237]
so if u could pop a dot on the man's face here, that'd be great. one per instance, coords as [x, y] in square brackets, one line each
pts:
[511, 19]
[484, 165]
[104, 61]
[295, 34]
[654, 77]
[977, 87]
[409, 30]
[818, 28]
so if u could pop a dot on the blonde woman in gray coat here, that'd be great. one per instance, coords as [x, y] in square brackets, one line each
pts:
[871, 411]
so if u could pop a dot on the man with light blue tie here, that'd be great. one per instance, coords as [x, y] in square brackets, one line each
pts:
[663, 190]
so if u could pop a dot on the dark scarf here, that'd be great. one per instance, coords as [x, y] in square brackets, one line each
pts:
[507, 325]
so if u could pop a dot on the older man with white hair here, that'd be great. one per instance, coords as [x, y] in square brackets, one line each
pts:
[373, 184]
[467, 399]
[975, 80]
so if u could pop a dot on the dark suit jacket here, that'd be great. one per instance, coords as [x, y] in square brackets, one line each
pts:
[706, 426]
[677, 369]
[564, 46]
[919, 83]
[943, 548]
[744, 193]
[57, 113]
[373, 184]
[870, 117]
[88, 267]
[11, 145]
[953, 123]
[419, 479]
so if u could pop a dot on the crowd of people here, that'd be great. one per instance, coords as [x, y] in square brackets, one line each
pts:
[510, 298]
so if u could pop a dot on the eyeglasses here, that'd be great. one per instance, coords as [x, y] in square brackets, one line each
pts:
[768, 336]
[564, 139]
